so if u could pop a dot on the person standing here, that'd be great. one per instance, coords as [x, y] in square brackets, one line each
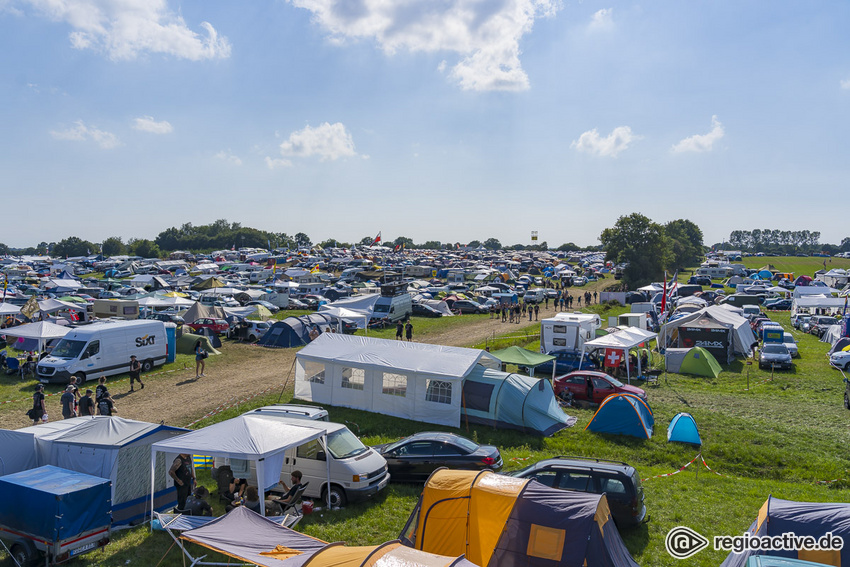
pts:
[76, 390]
[135, 372]
[183, 473]
[536, 311]
[39, 411]
[595, 297]
[101, 391]
[67, 400]
[408, 330]
[86, 406]
[399, 330]
[105, 406]
[200, 363]
[546, 299]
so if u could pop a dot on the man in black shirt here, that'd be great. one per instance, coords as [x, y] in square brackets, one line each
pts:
[87, 404]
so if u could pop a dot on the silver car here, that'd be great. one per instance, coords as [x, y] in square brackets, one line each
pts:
[788, 341]
[775, 355]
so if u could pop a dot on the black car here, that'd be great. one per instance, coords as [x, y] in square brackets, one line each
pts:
[620, 483]
[699, 280]
[414, 458]
[167, 318]
[467, 306]
[421, 310]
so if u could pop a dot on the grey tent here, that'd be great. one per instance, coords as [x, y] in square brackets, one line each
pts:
[295, 331]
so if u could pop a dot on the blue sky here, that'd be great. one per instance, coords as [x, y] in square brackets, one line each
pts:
[445, 120]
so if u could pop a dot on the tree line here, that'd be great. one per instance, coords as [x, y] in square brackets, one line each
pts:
[774, 241]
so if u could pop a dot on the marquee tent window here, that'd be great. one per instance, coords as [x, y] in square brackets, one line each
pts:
[353, 378]
[394, 384]
[439, 391]
[314, 372]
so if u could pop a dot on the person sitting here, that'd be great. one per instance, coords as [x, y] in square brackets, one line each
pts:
[291, 491]
[196, 505]
[250, 501]
[236, 490]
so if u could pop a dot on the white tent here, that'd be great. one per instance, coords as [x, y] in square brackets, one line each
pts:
[9, 309]
[42, 331]
[416, 381]
[54, 305]
[622, 340]
[361, 302]
[817, 305]
[361, 317]
[742, 337]
[805, 290]
[251, 437]
[159, 302]
[18, 448]
[439, 305]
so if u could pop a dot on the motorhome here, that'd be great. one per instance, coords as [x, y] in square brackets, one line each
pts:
[104, 349]
[357, 472]
[568, 331]
[394, 304]
[279, 296]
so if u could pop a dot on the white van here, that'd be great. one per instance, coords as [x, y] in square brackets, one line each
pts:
[357, 472]
[104, 349]
[394, 308]
[536, 295]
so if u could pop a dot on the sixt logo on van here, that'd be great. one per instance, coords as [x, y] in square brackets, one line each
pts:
[146, 340]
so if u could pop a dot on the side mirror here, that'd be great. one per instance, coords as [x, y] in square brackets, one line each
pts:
[320, 456]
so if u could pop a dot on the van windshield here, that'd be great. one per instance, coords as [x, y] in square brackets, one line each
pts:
[68, 349]
[342, 444]
[381, 308]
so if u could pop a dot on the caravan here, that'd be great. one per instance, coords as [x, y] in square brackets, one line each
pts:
[568, 331]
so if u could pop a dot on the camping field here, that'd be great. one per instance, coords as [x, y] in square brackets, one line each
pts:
[782, 434]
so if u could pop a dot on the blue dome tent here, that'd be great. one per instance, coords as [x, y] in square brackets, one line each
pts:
[625, 414]
[683, 429]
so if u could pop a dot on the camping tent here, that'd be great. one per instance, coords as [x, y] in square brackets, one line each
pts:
[623, 340]
[295, 331]
[683, 429]
[624, 414]
[512, 401]
[200, 311]
[494, 520]
[711, 328]
[777, 517]
[841, 344]
[405, 379]
[700, 362]
[40, 332]
[108, 447]
[524, 357]
[251, 437]
[186, 344]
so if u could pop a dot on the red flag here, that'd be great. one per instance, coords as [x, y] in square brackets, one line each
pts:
[613, 357]
[377, 239]
[664, 296]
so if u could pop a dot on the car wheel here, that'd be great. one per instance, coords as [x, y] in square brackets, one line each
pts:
[23, 553]
[147, 365]
[81, 378]
[251, 338]
[338, 498]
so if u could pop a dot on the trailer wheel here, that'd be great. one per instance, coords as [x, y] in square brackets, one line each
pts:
[147, 365]
[24, 553]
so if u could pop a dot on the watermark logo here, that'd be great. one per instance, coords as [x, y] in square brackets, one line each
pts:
[683, 542]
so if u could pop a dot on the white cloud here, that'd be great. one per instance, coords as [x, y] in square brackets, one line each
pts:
[229, 157]
[617, 141]
[701, 142]
[601, 20]
[845, 84]
[81, 133]
[148, 124]
[276, 163]
[125, 28]
[484, 35]
[327, 141]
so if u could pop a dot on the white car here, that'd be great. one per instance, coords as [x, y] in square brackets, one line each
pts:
[841, 359]
[579, 280]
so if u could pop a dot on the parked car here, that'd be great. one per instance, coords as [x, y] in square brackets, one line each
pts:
[791, 344]
[775, 355]
[297, 304]
[565, 362]
[820, 323]
[841, 359]
[798, 319]
[778, 304]
[422, 310]
[414, 458]
[593, 387]
[217, 326]
[250, 331]
[467, 306]
[167, 318]
[699, 280]
[579, 280]
[619, 481]
[270, 306]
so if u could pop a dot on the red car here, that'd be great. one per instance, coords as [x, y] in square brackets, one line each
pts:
[594, 387]
[218, 326]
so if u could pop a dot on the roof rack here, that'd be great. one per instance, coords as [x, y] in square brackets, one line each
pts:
[591, 459]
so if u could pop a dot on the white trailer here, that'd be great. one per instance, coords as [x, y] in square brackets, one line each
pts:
[568, 331]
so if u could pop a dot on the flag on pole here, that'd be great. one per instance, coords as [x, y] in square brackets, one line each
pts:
[377, 239]
[664, 296]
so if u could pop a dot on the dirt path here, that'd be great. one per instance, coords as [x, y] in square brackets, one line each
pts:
[177, 398]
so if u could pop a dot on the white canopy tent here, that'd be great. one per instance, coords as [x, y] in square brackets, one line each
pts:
[624, 340]
[159, 302]
[252, 437]
[9, 309]
[817, 305]
[42, 331]
[362, 318]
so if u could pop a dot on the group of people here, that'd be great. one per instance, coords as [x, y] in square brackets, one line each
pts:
[514, 313]
[75, 404]
[404, 330]
[191, 500]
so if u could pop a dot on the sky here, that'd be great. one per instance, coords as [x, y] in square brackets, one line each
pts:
[448, 120]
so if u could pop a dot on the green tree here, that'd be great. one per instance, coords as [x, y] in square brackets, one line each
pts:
[685, 243]
[492, 244]
[367, 241]
[474, 244]
[641, 244]
[113, 246]
[144, 248]
[73, 246]
[568, 247]
[432, 245]
[302, 239]
[408, 242]
[4, 249]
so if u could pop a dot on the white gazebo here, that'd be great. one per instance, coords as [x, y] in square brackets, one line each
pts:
[623, 340]
[42, 331]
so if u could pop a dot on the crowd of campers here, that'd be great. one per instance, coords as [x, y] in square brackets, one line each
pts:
[60, 323]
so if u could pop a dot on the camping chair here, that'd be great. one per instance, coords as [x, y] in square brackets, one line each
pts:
[295, 504]
[224, 478]
[12, 366]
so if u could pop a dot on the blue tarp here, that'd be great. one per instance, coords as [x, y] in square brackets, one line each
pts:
[624, 414]
[54, 503]
[512, 401]
[683, 429]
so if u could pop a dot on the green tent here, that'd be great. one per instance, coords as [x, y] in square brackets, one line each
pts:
[209, 283]
[700, 362]
[522, 357]
[186, 344]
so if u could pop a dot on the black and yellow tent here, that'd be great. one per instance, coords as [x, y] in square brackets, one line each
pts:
[495, 520]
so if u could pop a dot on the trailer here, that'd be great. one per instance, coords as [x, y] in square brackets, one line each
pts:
[568, 332]
[53, 514]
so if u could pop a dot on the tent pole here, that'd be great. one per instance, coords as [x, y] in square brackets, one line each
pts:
[153, 482]
[285, 384]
